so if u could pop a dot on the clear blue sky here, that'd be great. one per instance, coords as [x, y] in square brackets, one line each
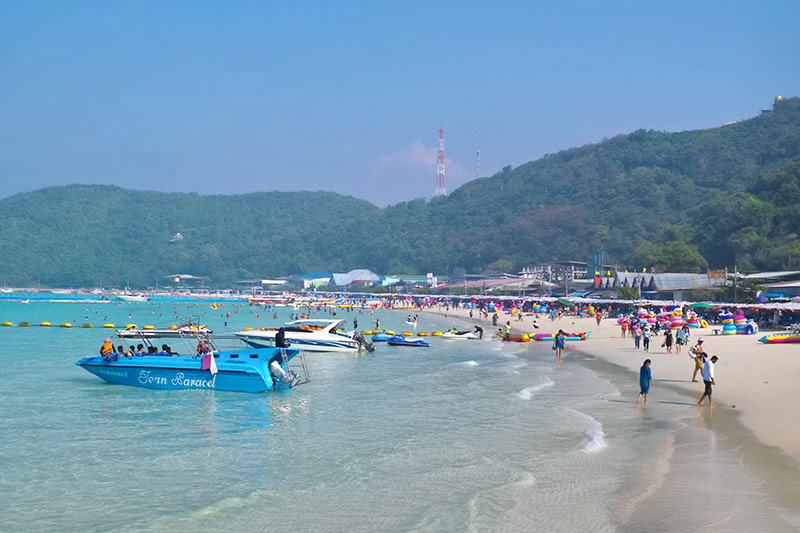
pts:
[234, 97]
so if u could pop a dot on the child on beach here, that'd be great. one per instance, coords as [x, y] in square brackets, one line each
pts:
[645, 381]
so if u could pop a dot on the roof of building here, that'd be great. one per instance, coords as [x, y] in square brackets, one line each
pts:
[773, 275]
[358, 275]
[667, 281]
[314, 275]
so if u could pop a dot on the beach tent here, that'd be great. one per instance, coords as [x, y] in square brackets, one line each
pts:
[701, 305]
[564, 301]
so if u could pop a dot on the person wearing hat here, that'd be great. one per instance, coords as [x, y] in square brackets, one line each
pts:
[708, 380]
[699, 357]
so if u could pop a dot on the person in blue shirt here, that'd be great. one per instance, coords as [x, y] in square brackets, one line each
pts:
[645, 380]
[558, 344]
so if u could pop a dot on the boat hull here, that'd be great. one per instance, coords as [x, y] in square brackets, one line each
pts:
[162, 333]
[247, 371]
[403, 341]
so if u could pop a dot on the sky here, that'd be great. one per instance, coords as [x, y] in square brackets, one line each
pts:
[236, 97]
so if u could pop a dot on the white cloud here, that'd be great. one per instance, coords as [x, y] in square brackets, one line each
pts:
[410, 173]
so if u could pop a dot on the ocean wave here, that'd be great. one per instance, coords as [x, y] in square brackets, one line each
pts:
[527, 392]
[469, 363]
[594, 433]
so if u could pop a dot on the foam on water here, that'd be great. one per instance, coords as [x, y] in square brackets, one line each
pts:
[527, 392]
[469, 363]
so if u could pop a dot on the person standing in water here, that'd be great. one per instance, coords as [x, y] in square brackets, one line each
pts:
[645, 381]
[558, 344]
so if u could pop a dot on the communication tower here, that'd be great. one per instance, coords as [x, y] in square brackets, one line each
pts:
[441, 190]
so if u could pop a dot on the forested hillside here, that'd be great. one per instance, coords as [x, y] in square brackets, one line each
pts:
[680, 201]
[103, 235]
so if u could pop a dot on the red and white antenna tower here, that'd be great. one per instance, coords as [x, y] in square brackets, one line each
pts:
[441, 190]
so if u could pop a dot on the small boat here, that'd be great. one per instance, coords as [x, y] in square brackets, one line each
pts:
[134, 298]
[248, 370]
[400, 340]
[470, 335]
[314, 335]
[780, 338]
[176, 332]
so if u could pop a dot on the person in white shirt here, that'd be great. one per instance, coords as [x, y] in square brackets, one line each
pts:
[708, 380]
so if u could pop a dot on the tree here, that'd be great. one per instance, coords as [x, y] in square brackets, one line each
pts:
[674, 256]
[627, 293]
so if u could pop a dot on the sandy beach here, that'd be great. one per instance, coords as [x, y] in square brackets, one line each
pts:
[757, 380]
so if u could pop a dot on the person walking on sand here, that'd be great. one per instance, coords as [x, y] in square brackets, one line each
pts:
[668, 340]
[645, 381]
[637, 336]
[624, 326]
[680, 339]
[708, 380]
[646, 338]
[558, 344]
[697, 353]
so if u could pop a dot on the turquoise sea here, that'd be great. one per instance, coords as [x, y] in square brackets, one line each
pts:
[462, 436]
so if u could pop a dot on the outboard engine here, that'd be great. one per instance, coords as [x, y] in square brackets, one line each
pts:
[364, 343]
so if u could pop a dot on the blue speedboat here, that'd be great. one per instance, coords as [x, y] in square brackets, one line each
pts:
[247, 370]
[400, 340]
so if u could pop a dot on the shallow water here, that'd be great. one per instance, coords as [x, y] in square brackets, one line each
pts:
[465, 435]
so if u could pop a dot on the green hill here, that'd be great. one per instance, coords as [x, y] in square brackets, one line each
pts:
[716, 197]
[103, 235]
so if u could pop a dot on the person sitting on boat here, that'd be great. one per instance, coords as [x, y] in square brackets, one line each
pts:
[164, 350]
[120, 351]
[131, 351]
[280, 339]
[107, 347]
[140, 349]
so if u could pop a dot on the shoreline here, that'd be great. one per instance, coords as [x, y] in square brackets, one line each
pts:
[756, 380]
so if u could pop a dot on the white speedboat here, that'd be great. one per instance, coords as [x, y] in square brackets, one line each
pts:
[313, 335]
[173, 332]
[132, 298]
